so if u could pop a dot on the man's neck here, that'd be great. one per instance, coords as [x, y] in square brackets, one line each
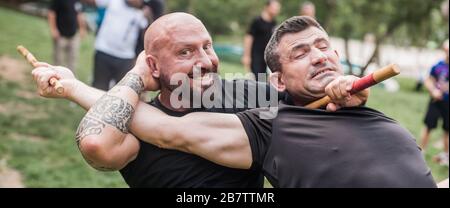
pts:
[164, 99]
[266, 16]
[301, 101]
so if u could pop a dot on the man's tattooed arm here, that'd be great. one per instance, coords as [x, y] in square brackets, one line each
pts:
[133, 81]
[115, 109]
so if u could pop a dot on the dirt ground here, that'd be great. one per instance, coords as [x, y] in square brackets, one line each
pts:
[12, 70]
[9, 178]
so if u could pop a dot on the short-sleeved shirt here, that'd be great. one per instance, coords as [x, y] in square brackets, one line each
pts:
[118, 32]
[66, 16]
[161, 168]
[261, 31]
[440, 73]
[354, 147]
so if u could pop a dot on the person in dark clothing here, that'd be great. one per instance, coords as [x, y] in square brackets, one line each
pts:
[157, 8]
[175, 43]
[299, 147]
[67, 24]
[437, 86]
[146, 165]
[353, 147]
[257, 38]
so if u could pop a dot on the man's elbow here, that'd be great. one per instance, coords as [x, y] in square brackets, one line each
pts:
[98, 156]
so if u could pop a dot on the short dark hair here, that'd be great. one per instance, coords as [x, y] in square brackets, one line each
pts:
[292, 25]
[269, 2]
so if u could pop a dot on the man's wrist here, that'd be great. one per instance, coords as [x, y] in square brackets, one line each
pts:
[73, 92]
[133, 80]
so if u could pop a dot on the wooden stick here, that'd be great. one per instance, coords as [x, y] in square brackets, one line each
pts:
[33, 61]
[363, 83]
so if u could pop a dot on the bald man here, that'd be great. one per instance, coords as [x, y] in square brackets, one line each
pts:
[300, 147]
[175, 43]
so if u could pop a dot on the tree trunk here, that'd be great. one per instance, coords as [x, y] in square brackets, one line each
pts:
[378, 42]
[191, 8]
[347, 56]
[372, 58]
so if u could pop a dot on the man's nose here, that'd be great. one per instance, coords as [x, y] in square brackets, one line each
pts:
[318, 56]
[205, 60]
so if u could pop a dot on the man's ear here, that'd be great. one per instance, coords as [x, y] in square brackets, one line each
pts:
[277, 81]
[152, 64]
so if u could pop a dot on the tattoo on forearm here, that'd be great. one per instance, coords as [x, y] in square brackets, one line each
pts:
[133, 81]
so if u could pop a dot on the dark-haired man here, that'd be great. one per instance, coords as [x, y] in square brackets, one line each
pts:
[353, 147]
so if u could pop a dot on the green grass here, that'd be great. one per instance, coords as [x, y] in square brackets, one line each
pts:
[52, 158]
[408, 108]
[34, 34]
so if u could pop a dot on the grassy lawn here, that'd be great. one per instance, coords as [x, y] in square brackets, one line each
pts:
[37, 135]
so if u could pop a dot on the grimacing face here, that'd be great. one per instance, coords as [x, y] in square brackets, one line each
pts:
[308, 63]
[185, 47]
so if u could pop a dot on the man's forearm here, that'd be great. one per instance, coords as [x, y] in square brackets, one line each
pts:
[430, 84]
[51, 17]
[81, 22]
[85, 96]
[248, 42]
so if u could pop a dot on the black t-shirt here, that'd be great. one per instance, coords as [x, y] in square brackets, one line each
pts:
[157, 8]
[66, 16]
[261, 31]
[155, 167]
[354, 147]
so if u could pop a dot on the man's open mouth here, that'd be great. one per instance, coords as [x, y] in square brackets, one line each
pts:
[322, 71]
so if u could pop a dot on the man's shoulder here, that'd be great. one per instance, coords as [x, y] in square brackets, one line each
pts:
[289, 109]
[439, 65]
[264, 115]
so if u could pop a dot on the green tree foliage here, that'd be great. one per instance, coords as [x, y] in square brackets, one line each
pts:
[221, 16]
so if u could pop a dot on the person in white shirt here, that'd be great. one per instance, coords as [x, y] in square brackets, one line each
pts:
[117, 38]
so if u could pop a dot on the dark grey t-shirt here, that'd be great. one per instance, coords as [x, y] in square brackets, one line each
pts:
[354, 147]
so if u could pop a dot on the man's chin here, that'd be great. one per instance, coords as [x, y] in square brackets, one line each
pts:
[321, 84]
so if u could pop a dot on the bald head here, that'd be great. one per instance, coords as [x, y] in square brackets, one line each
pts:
[168, 27]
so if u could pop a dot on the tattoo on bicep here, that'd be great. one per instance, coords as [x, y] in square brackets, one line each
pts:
[114, 111]
[133, 81]
[108, 110]
[88, 126]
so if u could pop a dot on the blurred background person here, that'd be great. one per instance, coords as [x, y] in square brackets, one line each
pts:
[100, 16]
[156, 8]
[66, 19]
[437, 86]
[257, 37]
[308, 9]
[117, 38]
